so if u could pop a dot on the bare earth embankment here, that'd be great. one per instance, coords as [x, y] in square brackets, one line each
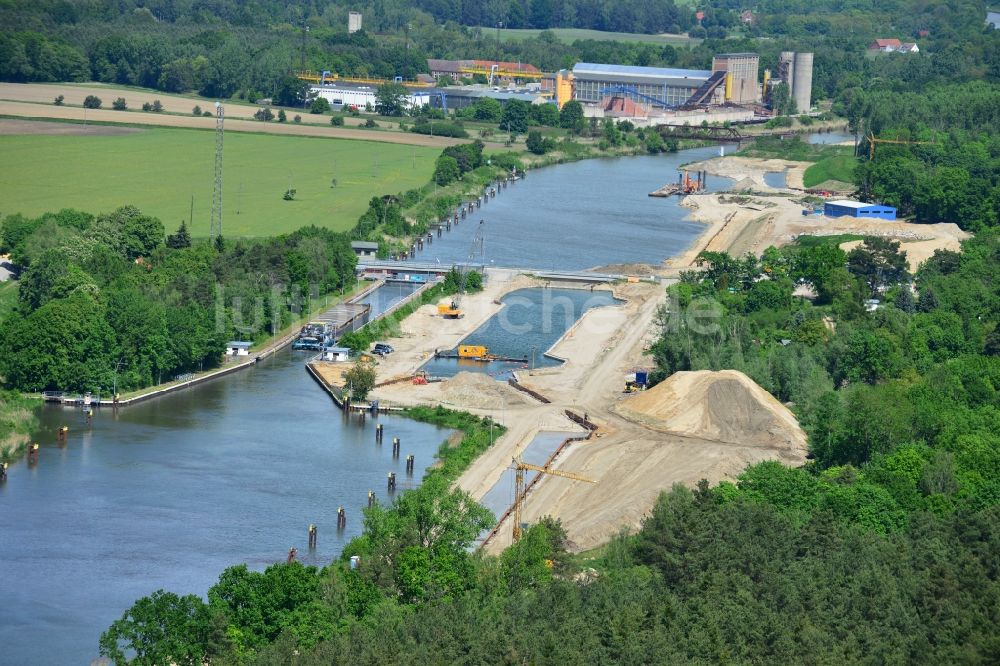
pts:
[738, 225]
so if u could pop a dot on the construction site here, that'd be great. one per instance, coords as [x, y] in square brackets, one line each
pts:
[585, 440]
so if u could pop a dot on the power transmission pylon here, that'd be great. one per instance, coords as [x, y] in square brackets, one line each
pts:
[216, 226]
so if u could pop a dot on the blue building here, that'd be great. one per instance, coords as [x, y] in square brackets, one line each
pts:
[858, 209]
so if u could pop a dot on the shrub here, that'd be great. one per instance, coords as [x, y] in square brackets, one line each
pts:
[319, 105]
[297, 119]
[440, 128]
[196, 111]
[92, 102]
[119, 104]
[157, 106]
[59, 100]
[281, 116]
[264, 114]
[337, 121]
[370, 123]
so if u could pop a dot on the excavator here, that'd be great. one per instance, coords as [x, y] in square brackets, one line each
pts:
[520, 467]
[453, 309]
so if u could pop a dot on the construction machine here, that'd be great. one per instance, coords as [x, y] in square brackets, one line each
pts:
[872, 140]
[520, 467]
[453, 309]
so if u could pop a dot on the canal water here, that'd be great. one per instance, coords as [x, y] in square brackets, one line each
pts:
[388, 295]
[531, 321]
[582, 215]
[170, 492]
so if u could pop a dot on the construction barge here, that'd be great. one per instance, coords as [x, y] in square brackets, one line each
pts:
[684, 185]
[476, 353]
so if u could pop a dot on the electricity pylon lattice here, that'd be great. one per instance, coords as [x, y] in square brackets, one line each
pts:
[216, 226]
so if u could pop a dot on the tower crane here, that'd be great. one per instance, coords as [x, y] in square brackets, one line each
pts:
[520, 467]
[453, 310]
[872, 140]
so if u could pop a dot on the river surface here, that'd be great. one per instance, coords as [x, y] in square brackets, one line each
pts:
[168, 493]
[582, 215]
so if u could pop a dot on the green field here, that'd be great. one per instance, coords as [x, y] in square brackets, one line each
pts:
[571, 34]
[159, 170]
[838, 167]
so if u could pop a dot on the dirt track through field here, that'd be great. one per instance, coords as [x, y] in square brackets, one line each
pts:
[36, 102]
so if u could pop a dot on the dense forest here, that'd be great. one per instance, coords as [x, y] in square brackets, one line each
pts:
[112, 301]
[247, 50]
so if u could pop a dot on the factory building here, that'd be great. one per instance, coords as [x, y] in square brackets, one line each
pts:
[648, 85]
[848, 208]
[741, 69]
[342, 96]
[796, 70]
[459, 97]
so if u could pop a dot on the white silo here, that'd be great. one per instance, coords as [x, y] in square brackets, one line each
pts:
[802, 80]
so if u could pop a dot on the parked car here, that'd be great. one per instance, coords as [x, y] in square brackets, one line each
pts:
[382, 349]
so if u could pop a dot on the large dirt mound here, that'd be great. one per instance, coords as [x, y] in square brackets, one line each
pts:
[725, 406]
[475, 389]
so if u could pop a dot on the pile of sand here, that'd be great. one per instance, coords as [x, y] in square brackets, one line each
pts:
[724, 406]
[478, 390]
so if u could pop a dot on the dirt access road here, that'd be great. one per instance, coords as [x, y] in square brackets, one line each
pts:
[29, 100]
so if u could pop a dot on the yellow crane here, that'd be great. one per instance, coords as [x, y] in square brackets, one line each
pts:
[520, 467]
[872, 140]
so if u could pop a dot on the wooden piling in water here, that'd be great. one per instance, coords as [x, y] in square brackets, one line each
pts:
[409, 464]
[395, 447]
[391, 481]
[371, 498]
[312, 535]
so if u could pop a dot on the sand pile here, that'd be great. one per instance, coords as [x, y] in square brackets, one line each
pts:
[474, 389]
[725, 406]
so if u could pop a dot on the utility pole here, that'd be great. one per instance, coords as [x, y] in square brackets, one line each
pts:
[499, 25]
[302, 54]
[215, 229]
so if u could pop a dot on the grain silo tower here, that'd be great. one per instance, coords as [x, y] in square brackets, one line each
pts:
[786, 65]
[802, 81]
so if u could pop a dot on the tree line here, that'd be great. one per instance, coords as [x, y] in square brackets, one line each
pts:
[112, 301]
[230, 49]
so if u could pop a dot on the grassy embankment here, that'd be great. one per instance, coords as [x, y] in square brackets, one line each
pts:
[17, 421]
[478, 434]
[833, 166]
[159, 170]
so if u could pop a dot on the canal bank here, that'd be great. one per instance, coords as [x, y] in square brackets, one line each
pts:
[171, 491]
[168, 493]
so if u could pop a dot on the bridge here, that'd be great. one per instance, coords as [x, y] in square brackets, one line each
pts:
[429, 271]
[718, 133]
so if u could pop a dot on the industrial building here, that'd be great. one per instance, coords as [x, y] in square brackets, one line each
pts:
[848, 208]
[342, 95]
[741, 85]
[656, 86]
[458, 97]
[796, 71]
